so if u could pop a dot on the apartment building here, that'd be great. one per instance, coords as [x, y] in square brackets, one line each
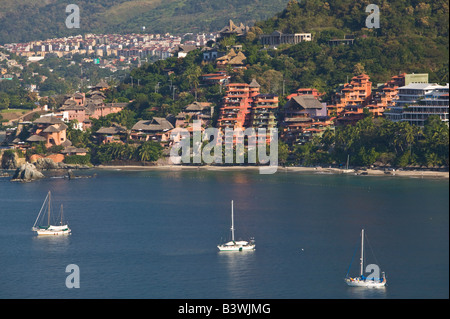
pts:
[352, 97]
[417, 101]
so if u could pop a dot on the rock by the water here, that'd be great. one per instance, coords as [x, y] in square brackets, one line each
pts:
[47, 163]
[9, 160]
[26, 173]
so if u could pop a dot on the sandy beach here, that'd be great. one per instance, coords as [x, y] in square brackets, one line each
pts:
[318, 170]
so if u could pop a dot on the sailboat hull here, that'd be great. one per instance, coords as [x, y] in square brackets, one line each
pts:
[235, 247]
[357, 282]
[53, 231]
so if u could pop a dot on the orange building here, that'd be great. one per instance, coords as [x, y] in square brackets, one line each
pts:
[305, 91]
[352, 97]
[386, 95]
[50, 130]
[237, 103]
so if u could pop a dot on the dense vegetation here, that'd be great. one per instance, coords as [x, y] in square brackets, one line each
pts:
[378, 141]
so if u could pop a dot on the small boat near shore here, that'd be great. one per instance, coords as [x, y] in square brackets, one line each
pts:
[49, 229]
[234, 245]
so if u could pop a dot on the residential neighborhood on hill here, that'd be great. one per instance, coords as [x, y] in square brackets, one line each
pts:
[236, 78]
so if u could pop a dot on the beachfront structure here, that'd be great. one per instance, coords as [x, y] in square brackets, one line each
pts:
[113, 134]
[50, 130]
[156, 129]
[417, 101]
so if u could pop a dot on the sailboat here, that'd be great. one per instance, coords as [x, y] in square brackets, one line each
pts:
[234, 245]
[372, 281]
[54, 230]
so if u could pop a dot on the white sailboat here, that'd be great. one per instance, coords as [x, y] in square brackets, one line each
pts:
[234, 245]
[54, 230]
[372, 281]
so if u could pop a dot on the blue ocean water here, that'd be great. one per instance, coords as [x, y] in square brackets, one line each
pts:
[153, 234]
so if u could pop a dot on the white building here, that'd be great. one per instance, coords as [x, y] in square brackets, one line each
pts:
[417, 101]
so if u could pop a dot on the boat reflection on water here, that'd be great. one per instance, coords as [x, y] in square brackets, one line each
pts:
[240, 271]
[51, 244]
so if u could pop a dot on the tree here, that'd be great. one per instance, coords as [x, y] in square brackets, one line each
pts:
[4, 101]
[149, 151]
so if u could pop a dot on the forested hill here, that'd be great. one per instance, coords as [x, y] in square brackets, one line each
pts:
[26, 20]
[413, 38]
[397, 17]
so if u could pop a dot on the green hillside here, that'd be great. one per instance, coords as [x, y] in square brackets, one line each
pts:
[413, 37]
[25, 20]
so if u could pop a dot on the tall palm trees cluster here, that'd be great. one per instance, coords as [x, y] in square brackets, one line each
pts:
[379, 141]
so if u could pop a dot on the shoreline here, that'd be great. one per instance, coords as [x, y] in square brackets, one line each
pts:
[318, 170]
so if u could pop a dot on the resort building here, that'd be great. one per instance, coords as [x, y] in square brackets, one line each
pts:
[50, 130]
[304, 116]
[417, 101]
[79, 107]
[352, 97]
[262, 115]
[305, 91]
[113, 134]
[237, 103]
[156, 129]
[201, 111]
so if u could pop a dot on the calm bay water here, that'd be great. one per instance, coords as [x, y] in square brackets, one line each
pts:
[153, 234]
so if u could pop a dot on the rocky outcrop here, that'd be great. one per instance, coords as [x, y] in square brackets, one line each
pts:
[48, 163]
[10, 160]
[26, 173]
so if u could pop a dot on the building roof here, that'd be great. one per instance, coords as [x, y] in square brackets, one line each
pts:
[154, 125]
[114, 129]
[231, 28]
[55, 128]
[72, 149]
[307, 101]
[238, 59]
[36, 138]
[48, 120]
[254, 84]
[102, 84]
[198, 106]
[422, 86]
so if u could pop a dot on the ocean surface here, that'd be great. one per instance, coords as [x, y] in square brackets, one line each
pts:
[153, 234]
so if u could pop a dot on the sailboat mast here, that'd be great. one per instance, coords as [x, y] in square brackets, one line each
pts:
[232, 222]
[362, 251]
[61, 214]
[49, 201]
